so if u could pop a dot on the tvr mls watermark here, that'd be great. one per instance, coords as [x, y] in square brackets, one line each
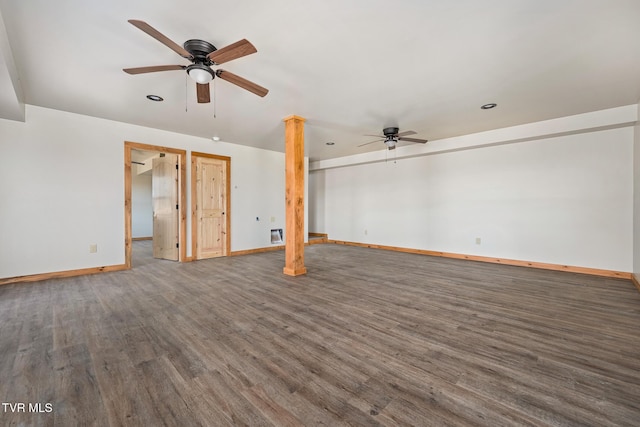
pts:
[37, 407]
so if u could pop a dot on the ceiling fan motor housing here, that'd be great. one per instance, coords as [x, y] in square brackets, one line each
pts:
[199, 49]
[392, 131]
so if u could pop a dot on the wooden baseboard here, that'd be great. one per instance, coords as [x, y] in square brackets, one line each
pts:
[545, 266]
[519, 263]
[257, 250]
[317, 238]
[318, 234]
[269, 249]
[62, 274]
[137, 239]
[635, 281]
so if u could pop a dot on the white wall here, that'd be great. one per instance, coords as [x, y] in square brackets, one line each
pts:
[141, 205]
[257, 191]
[636, 202]
[562, 200]
[62, 189]
[316, 201]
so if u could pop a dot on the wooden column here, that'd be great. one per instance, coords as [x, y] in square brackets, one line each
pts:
[294, 195]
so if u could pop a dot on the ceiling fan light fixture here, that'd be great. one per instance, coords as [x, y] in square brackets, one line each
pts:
[200, 73]
[390, 143]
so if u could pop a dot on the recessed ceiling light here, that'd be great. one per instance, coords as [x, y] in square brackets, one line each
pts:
[155, 98]
[489, 106]
[331, 143]
[215, 138]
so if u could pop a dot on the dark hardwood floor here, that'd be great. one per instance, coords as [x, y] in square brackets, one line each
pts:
[367, 337]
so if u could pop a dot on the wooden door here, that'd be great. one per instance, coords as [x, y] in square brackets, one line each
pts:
[164, 192]
[211, 203]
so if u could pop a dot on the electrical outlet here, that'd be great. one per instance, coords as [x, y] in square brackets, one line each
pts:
[93, 248]
[478, 240]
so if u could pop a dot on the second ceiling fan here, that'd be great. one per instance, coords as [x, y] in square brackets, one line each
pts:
[202, 55]
[391, 137]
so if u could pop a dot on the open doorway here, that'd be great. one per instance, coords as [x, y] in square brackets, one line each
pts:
[165, 155]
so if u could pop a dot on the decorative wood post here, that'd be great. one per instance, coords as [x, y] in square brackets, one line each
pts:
[294, 195]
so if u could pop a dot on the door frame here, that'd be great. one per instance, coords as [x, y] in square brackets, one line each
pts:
[194, 198]
[182, 197]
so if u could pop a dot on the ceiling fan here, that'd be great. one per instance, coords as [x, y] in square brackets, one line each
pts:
[391, 137]
[202, 55]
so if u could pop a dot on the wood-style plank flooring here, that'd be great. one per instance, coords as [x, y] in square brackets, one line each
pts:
[368, 337]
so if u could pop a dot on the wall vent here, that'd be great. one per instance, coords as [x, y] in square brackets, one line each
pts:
[276, 236]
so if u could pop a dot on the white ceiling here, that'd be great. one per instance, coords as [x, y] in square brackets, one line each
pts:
[349, 67]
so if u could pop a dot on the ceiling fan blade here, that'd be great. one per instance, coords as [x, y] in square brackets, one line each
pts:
[233, 51]
[160, 37]
[242, 82]
[367, 143]
[421, 141]
[152, 69]
[379, 136]
[406, 133]
[202, 90]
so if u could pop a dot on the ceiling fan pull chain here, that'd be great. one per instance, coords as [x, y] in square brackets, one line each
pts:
[215, 97]
[186, 92]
